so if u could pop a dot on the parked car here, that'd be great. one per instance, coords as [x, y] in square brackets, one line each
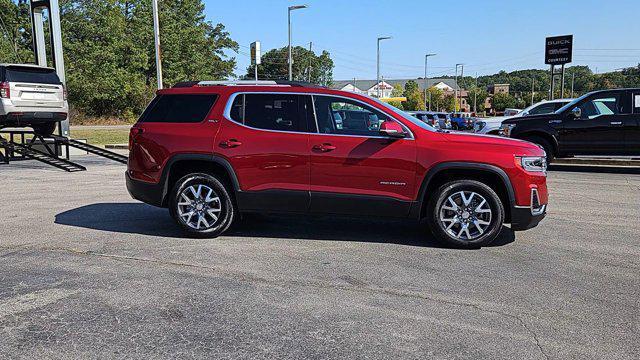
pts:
[462, 121]
[436, 119]
[210, 151]
[603, 122]
[31, 96]
[492, 125]
[510, 112]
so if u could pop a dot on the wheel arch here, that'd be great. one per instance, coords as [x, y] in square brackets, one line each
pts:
[442, 173]
[182, 164]
[553, 140]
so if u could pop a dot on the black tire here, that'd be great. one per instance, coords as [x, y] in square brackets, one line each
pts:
[546, 145]
[495, 218]
[225, 216]
[45, 129]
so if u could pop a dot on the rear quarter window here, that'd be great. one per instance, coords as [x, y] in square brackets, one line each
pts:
[182, 108]
[31, 75]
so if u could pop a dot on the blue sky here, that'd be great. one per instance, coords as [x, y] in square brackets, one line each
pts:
[487, 36]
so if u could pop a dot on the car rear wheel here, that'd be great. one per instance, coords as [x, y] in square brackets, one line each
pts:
[201, 205]
[44, 129]
[466, 213]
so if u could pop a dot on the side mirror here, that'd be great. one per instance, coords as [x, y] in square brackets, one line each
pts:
[576, 113]
[392, 129]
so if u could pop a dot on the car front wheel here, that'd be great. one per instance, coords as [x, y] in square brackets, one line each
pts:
[201, 205]
[465, 213]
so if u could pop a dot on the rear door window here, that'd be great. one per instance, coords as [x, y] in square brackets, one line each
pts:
[31, 75]
[182, 108]
[281, 112]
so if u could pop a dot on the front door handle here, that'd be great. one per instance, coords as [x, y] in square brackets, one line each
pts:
[326, 147]
[616, 123]
[231, 143]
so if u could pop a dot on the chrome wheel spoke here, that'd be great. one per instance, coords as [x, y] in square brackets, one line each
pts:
[465, 215]
[199, 207]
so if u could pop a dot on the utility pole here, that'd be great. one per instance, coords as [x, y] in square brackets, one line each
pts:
[378, 64]
[426, 66]
[533, 84]
[475, 95]
[461, 79]
[573, 78]
[309, 68]
[291, 8]
[551, 92]
[156, 36]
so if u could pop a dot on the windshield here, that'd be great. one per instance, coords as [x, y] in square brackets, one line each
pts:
[406, 116]
[572, 104]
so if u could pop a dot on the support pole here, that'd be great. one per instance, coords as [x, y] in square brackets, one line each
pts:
[551, 89]
[156, 37]
[562, 83]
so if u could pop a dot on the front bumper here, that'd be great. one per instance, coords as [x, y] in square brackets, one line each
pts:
[152, 194]
[527, 217]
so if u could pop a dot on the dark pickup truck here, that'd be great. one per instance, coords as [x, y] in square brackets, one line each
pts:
[603, 122]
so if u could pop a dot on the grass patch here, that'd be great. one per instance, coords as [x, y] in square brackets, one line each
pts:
[102, 136]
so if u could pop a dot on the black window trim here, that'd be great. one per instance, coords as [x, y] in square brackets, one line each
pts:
[232, 97]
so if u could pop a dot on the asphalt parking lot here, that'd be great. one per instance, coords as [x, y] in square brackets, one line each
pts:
[87, 272]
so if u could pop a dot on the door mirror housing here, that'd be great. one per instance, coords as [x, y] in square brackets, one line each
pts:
[392, 129]
[576, 113]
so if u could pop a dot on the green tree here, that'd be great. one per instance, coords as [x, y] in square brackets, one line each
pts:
[415, 99]
[479, 95]
[15, 33]
[397, 91]
[306, 66]
[435, 97]
[502, 101]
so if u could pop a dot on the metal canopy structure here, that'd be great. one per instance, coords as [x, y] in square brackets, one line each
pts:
[52, 9]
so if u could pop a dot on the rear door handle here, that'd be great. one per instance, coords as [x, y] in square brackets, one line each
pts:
[616, 123]
[326, 147]
[231, 143]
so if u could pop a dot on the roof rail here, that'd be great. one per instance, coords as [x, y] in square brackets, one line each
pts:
[245, 83]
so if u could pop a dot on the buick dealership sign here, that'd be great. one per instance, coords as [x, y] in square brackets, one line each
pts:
[558, 50]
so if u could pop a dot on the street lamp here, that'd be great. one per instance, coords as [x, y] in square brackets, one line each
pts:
[426, 59]
[294, 7]
[378, 64]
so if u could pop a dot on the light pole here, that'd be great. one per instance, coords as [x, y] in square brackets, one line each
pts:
[455, 93]
[156, 36]
[378, 64]
[294, 7]
[426, 66]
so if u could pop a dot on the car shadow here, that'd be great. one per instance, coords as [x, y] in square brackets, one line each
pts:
[138, 218]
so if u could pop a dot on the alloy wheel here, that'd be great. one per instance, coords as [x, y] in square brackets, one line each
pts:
[199, 207]
[465, 215]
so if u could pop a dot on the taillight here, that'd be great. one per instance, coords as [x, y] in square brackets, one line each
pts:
[4, 90]
[64, 92]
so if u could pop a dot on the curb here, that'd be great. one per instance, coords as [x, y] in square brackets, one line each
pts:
[631, 162]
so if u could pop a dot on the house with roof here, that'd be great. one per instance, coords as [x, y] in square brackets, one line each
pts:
[370, 87]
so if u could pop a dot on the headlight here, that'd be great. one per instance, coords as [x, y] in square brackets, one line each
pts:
[506, 129]
[533, 163]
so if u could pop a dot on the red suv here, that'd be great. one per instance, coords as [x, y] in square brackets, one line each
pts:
[210, 151]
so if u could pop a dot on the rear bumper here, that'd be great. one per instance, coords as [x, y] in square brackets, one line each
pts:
[28, 118]
[149, 193]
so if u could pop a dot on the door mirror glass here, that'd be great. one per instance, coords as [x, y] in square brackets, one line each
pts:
[576, 113]
[392, 129]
